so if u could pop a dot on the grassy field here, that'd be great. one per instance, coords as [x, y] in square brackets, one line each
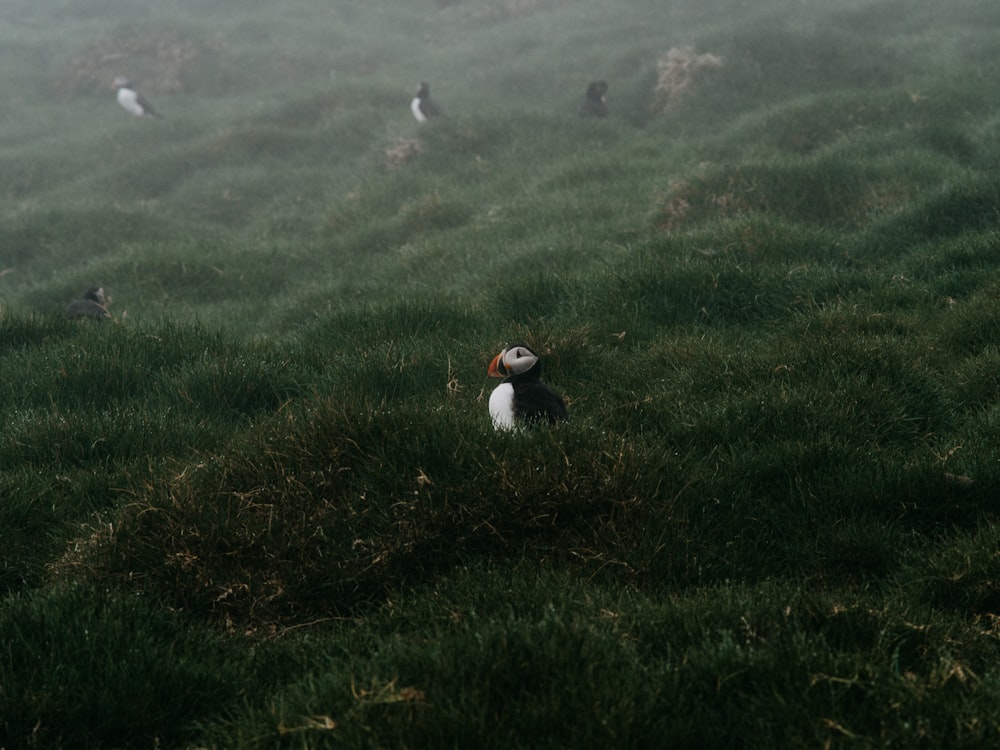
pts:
[265, 506]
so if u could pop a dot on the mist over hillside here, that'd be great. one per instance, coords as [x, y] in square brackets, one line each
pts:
[280, 125]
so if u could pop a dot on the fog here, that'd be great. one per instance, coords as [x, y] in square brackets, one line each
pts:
[274, 113]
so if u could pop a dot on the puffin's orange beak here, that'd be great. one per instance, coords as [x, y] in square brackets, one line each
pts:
[494, 369]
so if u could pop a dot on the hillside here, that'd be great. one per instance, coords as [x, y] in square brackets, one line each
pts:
[263, 505]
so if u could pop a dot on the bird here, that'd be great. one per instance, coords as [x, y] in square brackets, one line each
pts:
[593, 104]
[522, 398]
[422, 106]
[132, 100]
[93, 305]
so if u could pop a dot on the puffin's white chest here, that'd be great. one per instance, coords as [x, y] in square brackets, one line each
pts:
[502, 407]
[130, 101]
[415, 109]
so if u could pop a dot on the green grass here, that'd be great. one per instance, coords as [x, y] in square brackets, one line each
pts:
[265, 506]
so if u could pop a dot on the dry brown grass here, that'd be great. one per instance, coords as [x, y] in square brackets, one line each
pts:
[677, 74]
[400, 152]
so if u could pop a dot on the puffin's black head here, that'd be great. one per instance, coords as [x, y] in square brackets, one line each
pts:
[513, 361]
[424, 90]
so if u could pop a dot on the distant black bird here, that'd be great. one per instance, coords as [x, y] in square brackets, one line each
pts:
[132, 100]
[422, 107]
[94, 305]
[522, 398]
[593, 104]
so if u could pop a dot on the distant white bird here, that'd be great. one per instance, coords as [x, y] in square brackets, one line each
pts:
[422, 107]
[132, 100]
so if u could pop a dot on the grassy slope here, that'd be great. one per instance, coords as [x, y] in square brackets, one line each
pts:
[266, 508]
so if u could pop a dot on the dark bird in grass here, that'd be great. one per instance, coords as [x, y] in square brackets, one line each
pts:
[593, 104]
[94, 305]
[132, 100]
[422, 106]
[522, 398]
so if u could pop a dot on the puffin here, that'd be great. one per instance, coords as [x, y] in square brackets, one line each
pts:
[422, 106]
[521, 398]
[593, 104]
[93, 305]
[132, 100]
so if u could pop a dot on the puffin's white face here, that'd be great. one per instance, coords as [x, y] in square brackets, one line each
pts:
[519, 359]
[513, 361]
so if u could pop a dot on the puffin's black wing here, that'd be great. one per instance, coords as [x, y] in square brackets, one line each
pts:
[147, 108]
[429, 107]
[534, 401]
